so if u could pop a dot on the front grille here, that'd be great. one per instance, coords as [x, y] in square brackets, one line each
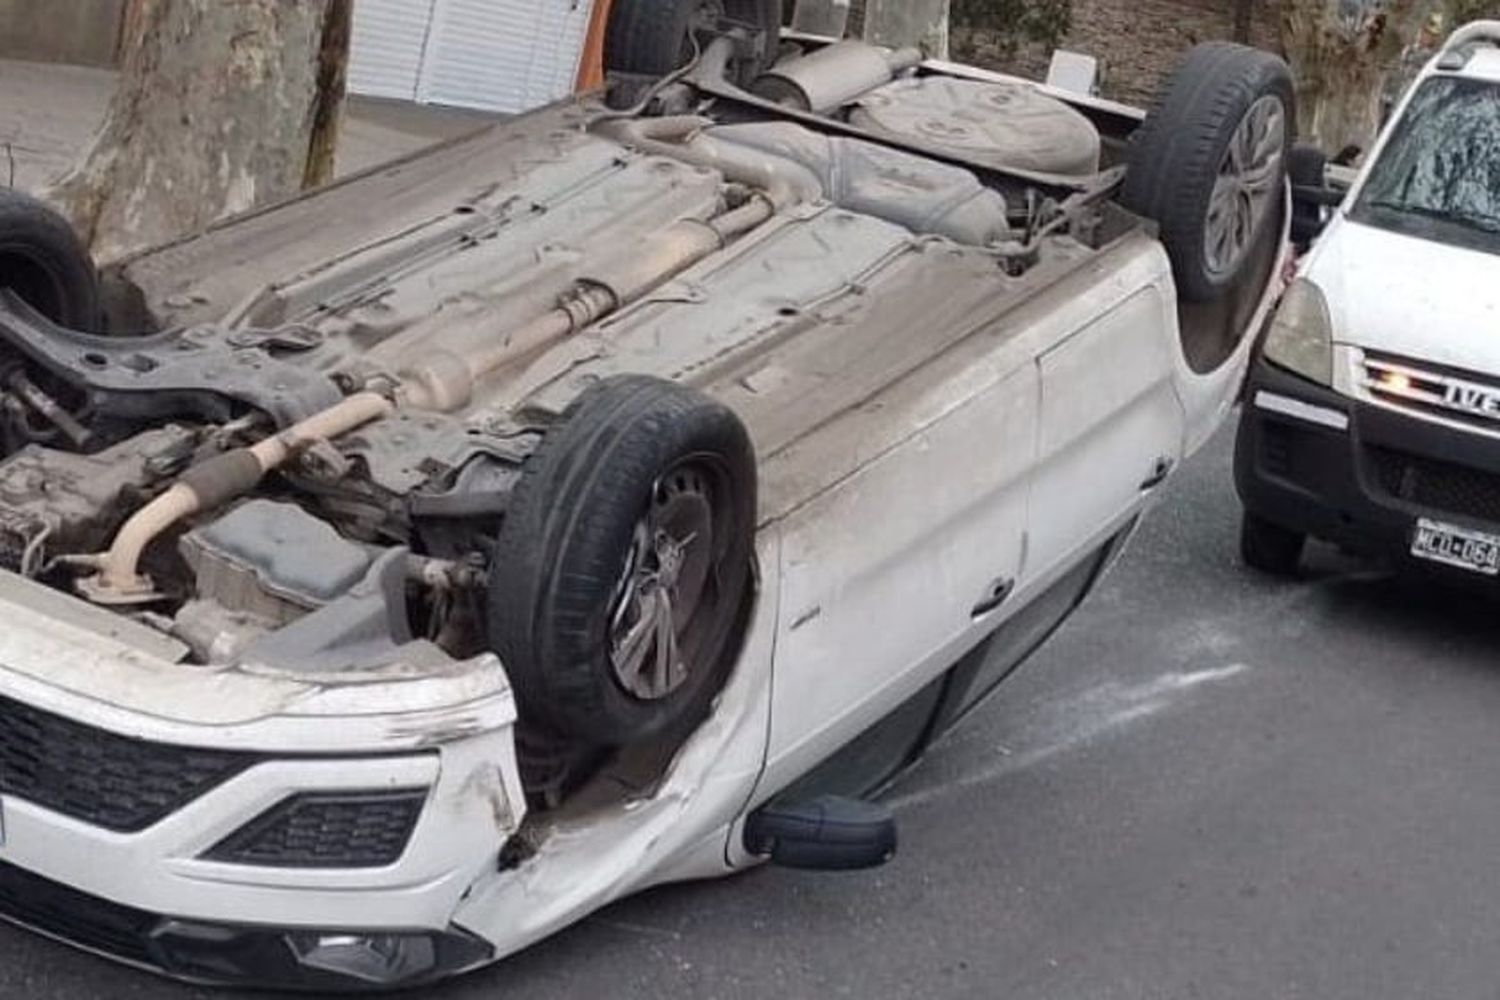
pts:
[98, 777]
[73, 916]
[1437, 485]
[327, 830]
[1453, 394]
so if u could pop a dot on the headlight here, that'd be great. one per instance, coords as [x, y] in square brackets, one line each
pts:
[1301, 335]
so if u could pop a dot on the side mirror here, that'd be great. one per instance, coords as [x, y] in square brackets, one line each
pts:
[824, 834]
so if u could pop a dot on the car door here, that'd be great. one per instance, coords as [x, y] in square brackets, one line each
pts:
[893, 572]
[1111, 424]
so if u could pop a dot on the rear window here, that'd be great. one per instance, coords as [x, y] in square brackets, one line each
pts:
[1439, 176]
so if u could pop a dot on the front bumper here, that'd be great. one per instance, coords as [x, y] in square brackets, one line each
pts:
[128, 783]
[260, 957]
[1357, 474]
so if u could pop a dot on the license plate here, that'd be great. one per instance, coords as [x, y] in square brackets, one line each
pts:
[1451, 545]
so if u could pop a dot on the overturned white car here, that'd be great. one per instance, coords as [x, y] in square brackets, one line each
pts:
[395, 576]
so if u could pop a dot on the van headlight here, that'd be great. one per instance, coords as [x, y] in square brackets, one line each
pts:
[1301, 335]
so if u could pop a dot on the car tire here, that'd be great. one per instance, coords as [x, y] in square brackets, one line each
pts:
[43, 261]
[1270, 548]
[1209, 163]
[638, 510]
[653, 37]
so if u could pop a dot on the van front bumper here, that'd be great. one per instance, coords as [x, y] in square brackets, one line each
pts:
[1359, 475]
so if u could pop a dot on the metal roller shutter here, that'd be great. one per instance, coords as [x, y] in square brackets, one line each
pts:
[387, 47]
[503, 55]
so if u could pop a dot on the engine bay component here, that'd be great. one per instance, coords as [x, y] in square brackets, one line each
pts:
[1002, 125]
[76, 500]
[260, 567]
[830, 78]
[211, 484]
[171, 375]
[272, 559]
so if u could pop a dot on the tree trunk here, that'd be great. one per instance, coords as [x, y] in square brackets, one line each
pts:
[222, 105]
[1244, 20]
[1342, 54]
[328, 96]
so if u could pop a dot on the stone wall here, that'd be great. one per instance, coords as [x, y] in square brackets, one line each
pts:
[1137, 42]
[83, 32]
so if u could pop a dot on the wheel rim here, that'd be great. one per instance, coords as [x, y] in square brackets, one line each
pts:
[666, 598]
[1246, 189]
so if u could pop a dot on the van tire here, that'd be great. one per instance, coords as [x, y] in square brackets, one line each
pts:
[1270, 548]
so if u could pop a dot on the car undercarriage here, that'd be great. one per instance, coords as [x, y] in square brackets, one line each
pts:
[330, 460]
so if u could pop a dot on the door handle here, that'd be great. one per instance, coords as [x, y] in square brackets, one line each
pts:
[1159, 473]
[995, 594]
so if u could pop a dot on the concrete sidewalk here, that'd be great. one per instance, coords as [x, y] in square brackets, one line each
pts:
[48, 115]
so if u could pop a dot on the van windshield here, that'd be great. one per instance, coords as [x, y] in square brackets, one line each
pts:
[1439, 176]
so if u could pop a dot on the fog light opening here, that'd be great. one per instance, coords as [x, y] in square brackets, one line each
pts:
[383, 959]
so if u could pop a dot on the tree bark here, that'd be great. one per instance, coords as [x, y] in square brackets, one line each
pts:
[1342, 55]
[328, 97]
[222, 105]
[1244, 20]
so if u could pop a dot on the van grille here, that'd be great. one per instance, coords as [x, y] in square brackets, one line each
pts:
[1437, 485]
[1451, 394]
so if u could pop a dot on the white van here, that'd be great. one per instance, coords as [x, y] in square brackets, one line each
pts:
[1372, 417]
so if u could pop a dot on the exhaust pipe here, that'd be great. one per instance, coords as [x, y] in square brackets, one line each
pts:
[445, 377]
[828, 79]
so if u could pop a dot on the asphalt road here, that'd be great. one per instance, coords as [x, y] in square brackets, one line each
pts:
[1207, 785]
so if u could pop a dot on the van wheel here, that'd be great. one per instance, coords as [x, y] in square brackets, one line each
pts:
[1209, 163]
[43, 261]
[655, 37]
[623, 566]
[1269, 547]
